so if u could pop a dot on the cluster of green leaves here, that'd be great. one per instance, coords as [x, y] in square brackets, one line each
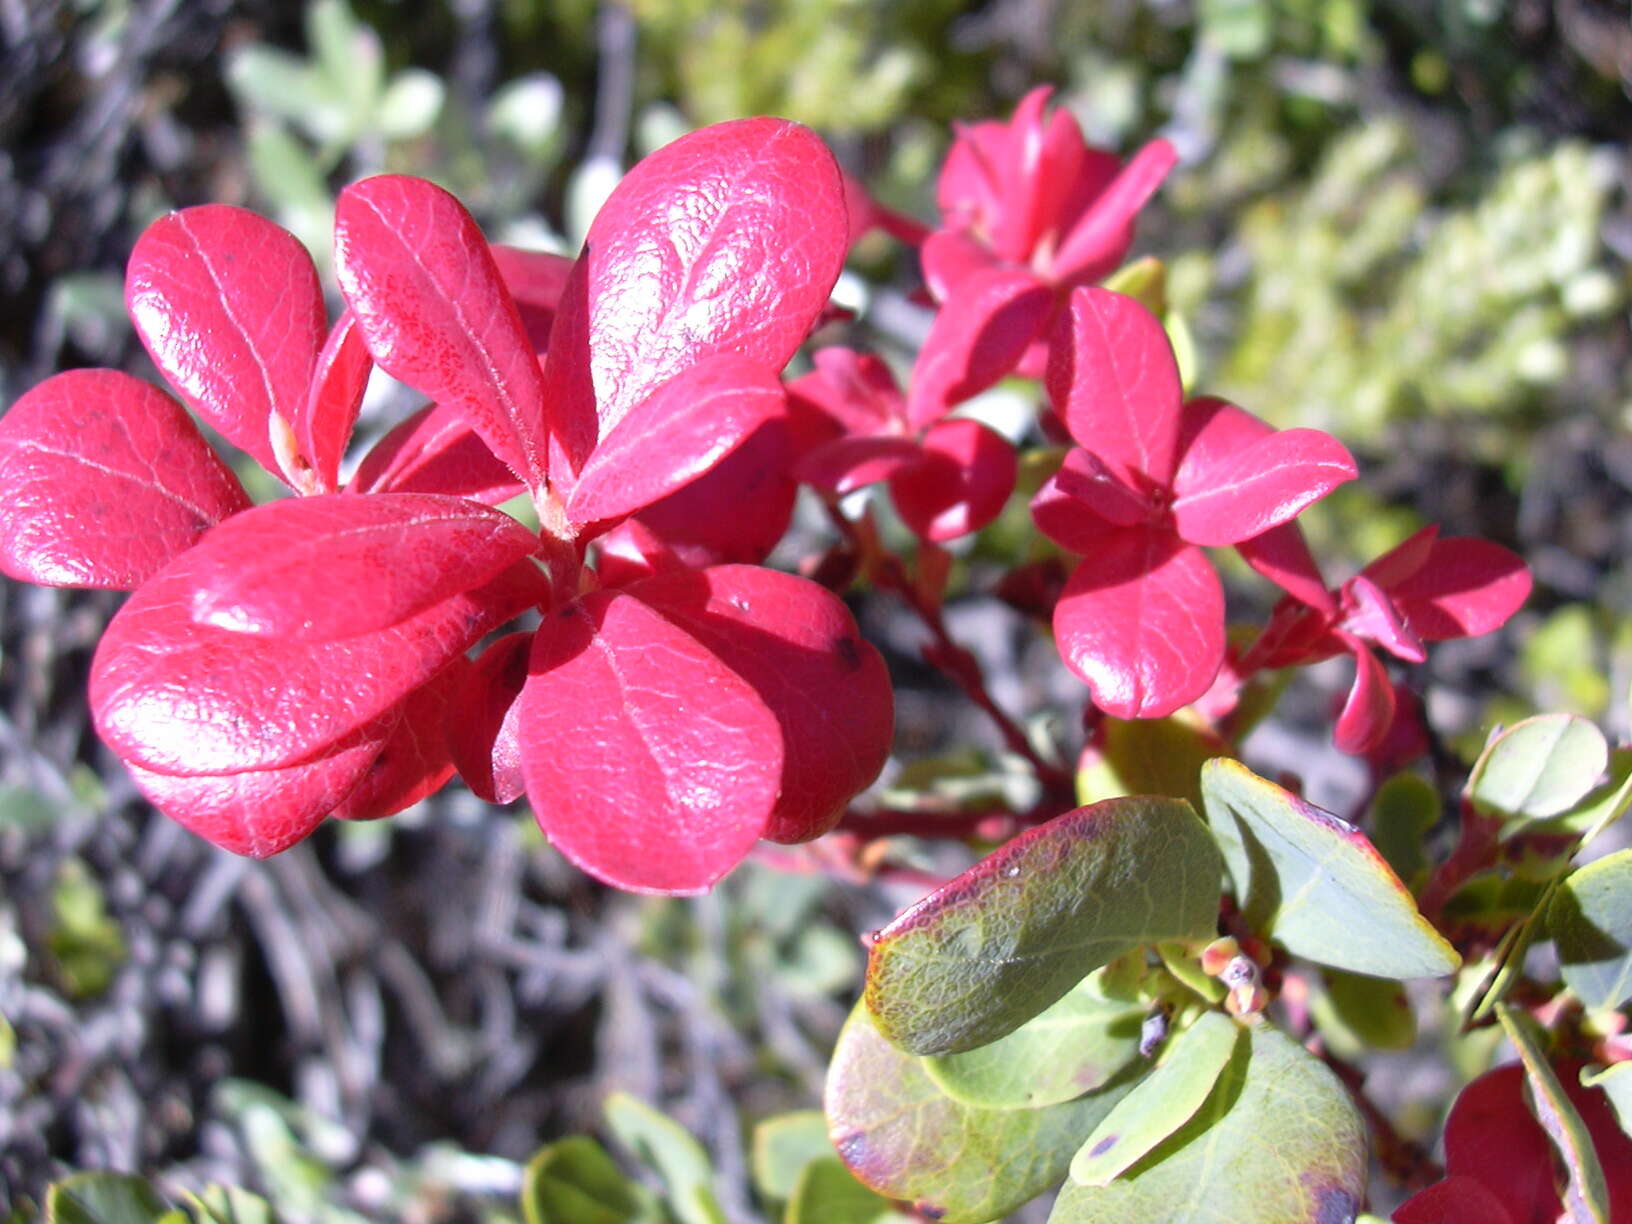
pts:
[1012, 1030]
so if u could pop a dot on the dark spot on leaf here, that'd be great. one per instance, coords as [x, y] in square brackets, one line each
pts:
[852, 1149]
[1335, 1205]
[929, 1211]
[1105, 1145]
[849, 655]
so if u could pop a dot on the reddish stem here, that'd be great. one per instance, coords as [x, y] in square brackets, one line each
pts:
[1476, 849]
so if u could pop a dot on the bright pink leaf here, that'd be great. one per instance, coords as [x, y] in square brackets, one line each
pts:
[867, 214]
[1258, 487]
[1282, 555]
[727, 241]
[1456, 1200]
[1466, 587]
[1016, 227]
[323, 426]
[847, 464]
[978, 337]
[1368, 711]
[1142, 622]
[315, 569]
[852, 392]
[259, 812]
[229, 307]
[484, 738]
[177, 697]
[413, 761]
[536, 280]
[1104, 232]
[683, 429]
[736, 512]
[103, 479]
[1371, 615]
[1114, 381]
[650, 763]
[799, 649]
[435, 451]
[631, 552]
[969, 192]
[434, 310]
[1079, 502]
[961, 481]
[1404, 559]
[952, 257]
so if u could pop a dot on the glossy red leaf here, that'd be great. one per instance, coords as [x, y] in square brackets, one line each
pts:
[1368, 712]
[413, 760]
[683, 429]
[1104, 232]
[1077, 504]
[1282, 555]
[631, 552]
[229, 307]
[850, 392]
[1456, 1200]
[799, 649]
[736, 512]
[1465, 587]
[650, 763]
[1493, 1137]
[104, 479]
[315, 569]
[961, 481]
[1371, 615]
[484, 738]
[847, 464]
[1245, 493]
[1114, 381]
[978, 337]
[1142, 622]
[323, 426]
[259, 812]
[727, 241]
[435, 451]
[536, 281]
[434, 310]
[177, 697]
[952, 257]
[1016, 227]
[1404, 559]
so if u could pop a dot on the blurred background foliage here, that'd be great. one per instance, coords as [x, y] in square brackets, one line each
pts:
[1405, 221]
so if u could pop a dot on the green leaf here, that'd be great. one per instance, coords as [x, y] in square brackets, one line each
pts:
[1163, 1101]
[1070, 1048]
[904, 1137]
[574, 1181]
[1277, 1142]
[231, 1205]
[1539, 767]
[828, 1193]
[669, 1148]
[411, 104]
[87, 946]
[1616, 1081]
[103, 1198]
[1405, 808]
[1357, 1013]
[1315, 883]
[983, 954]
[26, 810]
[1597, 810]
[1586, 1196]
[783, 1146]
[1590, 919]
[1147, 756]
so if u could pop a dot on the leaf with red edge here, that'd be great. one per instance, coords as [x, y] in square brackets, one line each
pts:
[727, 241]
[1142, 622]
[485, 739]
[323, 426]
[962, 479]
[847, 464]
[536, 281]
[435, 451]
[1456, 1200]
[1466, 587]
[649, 762]
[275, 570]
[104, 479]
[1224, 498]
[1282, 555]
[680, 431]
[413, 761]
[260, 812]
[177, 697]
[739, 510]
[978, 337]
[1369, 710]
[435, 312]
[1115, 383]
[799, 649]
[1082, 500]
[230, 309]
[1104, 232]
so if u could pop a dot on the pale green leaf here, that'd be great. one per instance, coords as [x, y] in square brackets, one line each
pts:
[574, 1181]
[103, 1198]
[828, 1193]
[1616, 1081]
[1590, 919]
[669, 1148]
[1539, 767]
[783, 1146]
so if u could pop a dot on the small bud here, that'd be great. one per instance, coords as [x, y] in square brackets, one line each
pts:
[1152, 1033]
[1216, 955]
[1247, 1000]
